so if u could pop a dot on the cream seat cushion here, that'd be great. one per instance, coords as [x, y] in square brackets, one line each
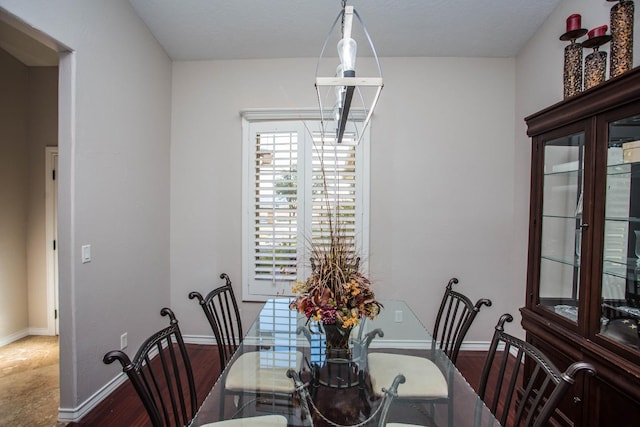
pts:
[263, 371]
[266, 421]
[424, 379]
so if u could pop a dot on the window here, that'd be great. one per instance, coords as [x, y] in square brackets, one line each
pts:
[285, 206]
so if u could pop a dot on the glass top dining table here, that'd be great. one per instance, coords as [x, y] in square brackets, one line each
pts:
[281, 338]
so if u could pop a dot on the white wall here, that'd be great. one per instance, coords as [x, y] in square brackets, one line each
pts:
[442, 172]
[442, 186]
[14, 184]
[114, 184]
[539, 69]
[206, 166]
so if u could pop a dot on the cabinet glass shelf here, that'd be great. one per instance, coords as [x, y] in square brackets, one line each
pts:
[561, 172]
[614, 268]
[623, 270]
[571, 262]
[619, 169]
[573, 218]
[623, 219]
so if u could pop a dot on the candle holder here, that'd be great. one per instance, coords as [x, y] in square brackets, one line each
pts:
[595, 64]
[622, 38]
[572, 76]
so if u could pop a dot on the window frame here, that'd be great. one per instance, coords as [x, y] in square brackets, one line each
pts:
[304, 120]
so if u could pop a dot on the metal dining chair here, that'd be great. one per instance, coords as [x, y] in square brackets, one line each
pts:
[426, 378]
[256, 373]
[543, 389]
[162, 376]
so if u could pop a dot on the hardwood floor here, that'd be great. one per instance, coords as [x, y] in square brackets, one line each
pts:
[123, 407]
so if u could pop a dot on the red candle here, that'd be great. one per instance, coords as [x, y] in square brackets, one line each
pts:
[598, 31]
[574, 22]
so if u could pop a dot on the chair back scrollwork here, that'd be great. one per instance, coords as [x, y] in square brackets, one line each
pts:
[455, 316]
[221, 309]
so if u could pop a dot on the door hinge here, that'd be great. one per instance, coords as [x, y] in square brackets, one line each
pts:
[53, 174]
[55, 314]
[54, 245]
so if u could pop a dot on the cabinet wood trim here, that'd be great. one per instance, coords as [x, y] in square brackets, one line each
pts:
[611, 94]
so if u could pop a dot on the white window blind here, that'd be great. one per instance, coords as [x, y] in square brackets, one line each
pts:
[286, 205]
[275, 201]
[334, 194]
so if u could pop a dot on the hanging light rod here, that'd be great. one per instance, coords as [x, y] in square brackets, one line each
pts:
[345, 82]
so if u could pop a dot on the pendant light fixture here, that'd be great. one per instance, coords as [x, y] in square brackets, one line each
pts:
[350, 118]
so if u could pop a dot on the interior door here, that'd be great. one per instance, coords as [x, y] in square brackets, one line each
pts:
[51, 189]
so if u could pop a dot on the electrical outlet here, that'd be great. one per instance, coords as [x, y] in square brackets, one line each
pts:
[123, 341]
[398, 316]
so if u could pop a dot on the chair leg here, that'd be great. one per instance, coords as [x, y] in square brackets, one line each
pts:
[222, 402]
[450, 401]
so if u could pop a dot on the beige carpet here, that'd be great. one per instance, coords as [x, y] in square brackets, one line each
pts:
[29, 382]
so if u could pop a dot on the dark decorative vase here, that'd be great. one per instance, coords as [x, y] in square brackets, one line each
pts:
[621, 38]
[337, 341]
[595, 64]
[572, 77]
[595, 67]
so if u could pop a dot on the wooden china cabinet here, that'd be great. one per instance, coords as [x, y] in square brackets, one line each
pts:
[583, 280]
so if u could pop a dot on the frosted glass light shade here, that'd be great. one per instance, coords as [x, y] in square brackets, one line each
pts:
[347, 49]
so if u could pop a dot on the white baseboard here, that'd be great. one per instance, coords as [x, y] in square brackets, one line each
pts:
[13, 337]
[75, 414]
[475, 345]
[199, 339]
[484, 346]
[39, 331]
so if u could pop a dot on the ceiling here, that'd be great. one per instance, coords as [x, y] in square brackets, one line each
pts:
[242, 29]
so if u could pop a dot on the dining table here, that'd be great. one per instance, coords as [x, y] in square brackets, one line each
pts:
[281, 339]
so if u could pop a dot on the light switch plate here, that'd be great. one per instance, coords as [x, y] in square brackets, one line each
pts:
[86, 253]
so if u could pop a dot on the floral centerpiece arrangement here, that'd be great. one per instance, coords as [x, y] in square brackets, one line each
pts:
[336, 294]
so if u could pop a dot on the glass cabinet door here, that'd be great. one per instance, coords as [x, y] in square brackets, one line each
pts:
[561, 225]
[621, 250]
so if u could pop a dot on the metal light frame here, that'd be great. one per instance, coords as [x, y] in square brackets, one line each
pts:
[351, 84]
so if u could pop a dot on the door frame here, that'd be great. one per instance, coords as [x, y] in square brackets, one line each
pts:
[51, 238]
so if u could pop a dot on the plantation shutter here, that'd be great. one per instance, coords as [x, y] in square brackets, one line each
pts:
[275, 223]
[338, 204]
[285, 203]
